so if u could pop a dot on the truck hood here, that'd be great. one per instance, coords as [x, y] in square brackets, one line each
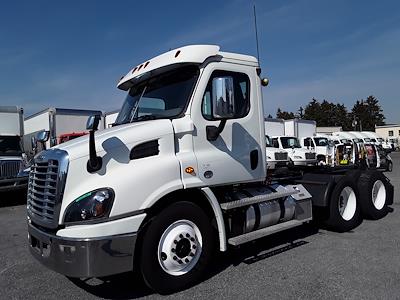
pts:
[121, 136]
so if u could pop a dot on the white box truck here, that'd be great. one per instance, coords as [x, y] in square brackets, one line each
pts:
[300, 128]
[182, 175]
[62, 124]
[12, 157]
[276, 158]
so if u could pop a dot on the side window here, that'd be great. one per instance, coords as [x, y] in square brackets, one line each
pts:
[390, 132]
[241, 93]
[275, 143]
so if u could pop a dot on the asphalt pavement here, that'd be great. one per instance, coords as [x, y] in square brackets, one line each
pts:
[303, 262]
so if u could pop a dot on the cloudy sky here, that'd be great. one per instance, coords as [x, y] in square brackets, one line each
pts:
[70, 53]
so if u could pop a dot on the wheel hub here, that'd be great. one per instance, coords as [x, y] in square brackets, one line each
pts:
[180, 247]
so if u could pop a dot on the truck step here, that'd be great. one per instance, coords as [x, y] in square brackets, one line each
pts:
[253, 235]
[259, 198]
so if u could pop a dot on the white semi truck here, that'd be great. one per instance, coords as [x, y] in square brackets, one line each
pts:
[12, 157]
[180, 175]
[276, 158]
[283, 138]
[62, 125]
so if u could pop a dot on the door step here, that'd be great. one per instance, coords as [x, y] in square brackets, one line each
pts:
[283, 192]
[253, 235]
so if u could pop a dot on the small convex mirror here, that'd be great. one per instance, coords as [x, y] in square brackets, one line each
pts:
[223, 100]
[93, 122]
[42, 136]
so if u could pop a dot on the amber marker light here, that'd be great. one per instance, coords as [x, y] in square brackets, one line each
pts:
[189, 170]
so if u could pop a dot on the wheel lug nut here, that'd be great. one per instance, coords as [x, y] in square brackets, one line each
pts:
[175, 242]
[194, 247]
[192, 239]
[181, 236]
[180, 262]
[191, 254]
[187, 235]
[173, 250]
[163, 256]
[186, 260]
[175, 258]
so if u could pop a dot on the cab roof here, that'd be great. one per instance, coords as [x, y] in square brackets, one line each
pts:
[195, 54]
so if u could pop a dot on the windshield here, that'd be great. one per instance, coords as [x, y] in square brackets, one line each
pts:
[373, 140]
[321, 141]
[10, 146]
[268, 141]
[357, 141]
[367, 140]
[381, 140]
[290, 142]
[163, 96]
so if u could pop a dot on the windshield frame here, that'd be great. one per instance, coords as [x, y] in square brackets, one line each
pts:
[152, 77]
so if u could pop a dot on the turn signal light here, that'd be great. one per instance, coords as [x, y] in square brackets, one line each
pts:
[189, 170]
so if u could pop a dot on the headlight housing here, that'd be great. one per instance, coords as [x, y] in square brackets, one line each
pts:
[95, 205]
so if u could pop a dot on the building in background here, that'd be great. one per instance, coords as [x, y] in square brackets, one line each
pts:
[389, 132]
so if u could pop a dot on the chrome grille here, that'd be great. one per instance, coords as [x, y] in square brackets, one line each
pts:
[310, 155]
[281, 156]
[42, 189]
[46, 186]
[9, 168]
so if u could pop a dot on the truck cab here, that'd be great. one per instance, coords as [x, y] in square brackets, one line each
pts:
[298, 156]
[322, 147]
[12, 157]
[276, 158]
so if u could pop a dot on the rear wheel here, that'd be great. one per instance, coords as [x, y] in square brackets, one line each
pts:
[344, 210]
[374, 194]
[177, 247]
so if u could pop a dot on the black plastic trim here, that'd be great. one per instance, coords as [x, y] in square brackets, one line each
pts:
[146, 149]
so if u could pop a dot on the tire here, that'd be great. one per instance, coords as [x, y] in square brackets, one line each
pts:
[374, 194]
[176, 248]
[344, 208]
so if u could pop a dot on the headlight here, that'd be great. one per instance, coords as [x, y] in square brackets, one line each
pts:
[297, 157]
[94, 205]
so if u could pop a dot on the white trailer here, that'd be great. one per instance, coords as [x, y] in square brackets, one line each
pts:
[110, 118]
[300, 128]
[12, 158]
[62, 125]
[181, 176]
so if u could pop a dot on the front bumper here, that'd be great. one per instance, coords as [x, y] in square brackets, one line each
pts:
[83, 257]
[273, 164]
[10, 184]
[304, 162]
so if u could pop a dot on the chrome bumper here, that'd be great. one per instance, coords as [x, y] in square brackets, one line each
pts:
[91, 257]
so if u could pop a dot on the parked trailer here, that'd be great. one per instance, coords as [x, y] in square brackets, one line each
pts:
[62, 125]
[183, 176]
[110, 118]
[12, 158]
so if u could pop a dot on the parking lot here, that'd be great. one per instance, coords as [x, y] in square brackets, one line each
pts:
[302, 263]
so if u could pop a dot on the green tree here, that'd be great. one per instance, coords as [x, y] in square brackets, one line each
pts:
[368, 113]
[284, 114]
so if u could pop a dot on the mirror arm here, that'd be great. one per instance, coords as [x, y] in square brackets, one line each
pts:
[213, 132]
[94, 163]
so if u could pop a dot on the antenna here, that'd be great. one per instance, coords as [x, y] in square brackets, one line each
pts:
[255, 27]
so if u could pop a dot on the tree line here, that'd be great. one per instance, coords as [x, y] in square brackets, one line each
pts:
[364, 115]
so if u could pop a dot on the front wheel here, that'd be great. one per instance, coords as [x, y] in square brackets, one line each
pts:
[344, 210]
[177, 247]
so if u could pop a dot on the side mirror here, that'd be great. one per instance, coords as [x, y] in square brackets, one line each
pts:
[92, 123]
[223, 100]
[42, 136]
